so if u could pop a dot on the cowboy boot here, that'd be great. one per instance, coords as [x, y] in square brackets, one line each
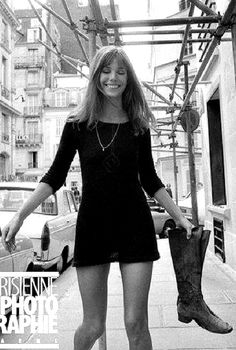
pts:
[187, 260]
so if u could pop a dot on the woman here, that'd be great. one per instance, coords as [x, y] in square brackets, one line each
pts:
[111, 132]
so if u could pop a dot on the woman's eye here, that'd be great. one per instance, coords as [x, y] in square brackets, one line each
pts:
[106, 70]
[122, 72]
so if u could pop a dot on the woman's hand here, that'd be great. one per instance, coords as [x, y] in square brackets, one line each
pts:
[186, 224]
[9, 232]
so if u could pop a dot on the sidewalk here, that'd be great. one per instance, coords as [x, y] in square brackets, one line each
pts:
[219, 290]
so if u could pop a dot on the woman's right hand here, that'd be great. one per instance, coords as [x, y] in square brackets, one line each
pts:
[9, 232]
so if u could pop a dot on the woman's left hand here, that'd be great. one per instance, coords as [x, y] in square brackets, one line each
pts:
[186, 224]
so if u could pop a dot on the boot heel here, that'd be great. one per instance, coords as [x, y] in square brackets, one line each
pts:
[184, 319]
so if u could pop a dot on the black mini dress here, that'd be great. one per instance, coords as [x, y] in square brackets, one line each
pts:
[114, 220]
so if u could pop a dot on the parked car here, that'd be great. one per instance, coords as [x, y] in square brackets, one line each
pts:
[186, 206]
[20, 260]
[163, 222]
[51, 227]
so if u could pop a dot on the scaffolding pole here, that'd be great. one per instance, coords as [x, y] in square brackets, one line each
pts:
[150, 88]
[164, 42]
[161, 22]
[164, 32]
[207, 10]
[191, 158]
[62, 20]
[63, 58]
[175, 163]
[97, 14]
[180, 60]
[44, 27]
[114, 18]
[219, 32]
[73, 28]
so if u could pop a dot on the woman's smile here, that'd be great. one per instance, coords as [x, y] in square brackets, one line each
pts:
[113, 79]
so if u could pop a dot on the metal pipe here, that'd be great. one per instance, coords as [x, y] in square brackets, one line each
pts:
[114, 18]
[220, 30]
[161, 22]
[63, 58]
[73, 27]
[44, 27]
[185, 40]
[163, 32]
[62, 20]
[191, 158]
[208, 11]
[169, 151]
[150, 88]
[76, 60]
[97, 14]
[175, 162]
[163, 42]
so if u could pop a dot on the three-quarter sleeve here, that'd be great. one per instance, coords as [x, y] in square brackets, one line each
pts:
[56, 175]
[149, 180]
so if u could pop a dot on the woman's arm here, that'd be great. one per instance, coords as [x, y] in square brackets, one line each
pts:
[42, 191]
[166, 201]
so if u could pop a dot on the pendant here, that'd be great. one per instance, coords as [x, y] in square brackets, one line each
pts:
[103, 149]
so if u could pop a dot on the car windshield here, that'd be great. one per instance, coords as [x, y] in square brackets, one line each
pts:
[12, 200]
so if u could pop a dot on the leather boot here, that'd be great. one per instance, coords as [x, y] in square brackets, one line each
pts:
[188, 256]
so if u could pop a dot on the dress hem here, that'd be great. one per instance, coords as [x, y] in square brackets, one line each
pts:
[120, 260]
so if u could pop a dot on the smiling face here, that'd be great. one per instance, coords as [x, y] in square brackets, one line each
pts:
[113, 79]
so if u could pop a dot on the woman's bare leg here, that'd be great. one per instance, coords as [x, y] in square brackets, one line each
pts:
[93, 289]
[136, 279]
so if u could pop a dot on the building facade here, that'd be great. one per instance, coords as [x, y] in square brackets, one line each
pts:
[219, 138]
[33, 71]
[59, 102]
[8, 114]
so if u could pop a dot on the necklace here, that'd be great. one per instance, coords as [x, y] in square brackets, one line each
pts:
[113, 138]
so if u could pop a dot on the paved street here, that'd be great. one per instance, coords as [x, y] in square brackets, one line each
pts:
[219, 289]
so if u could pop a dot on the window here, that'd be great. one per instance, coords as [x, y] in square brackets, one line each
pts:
[33, 77]
[34, 35]
[216, 150]
[35, 22]
[5, 132]
[60, 99]
[4, 34]
[59, 126]
[4, 71]
[32, 104]
[33, 55]
[33, 160]
[32, 128]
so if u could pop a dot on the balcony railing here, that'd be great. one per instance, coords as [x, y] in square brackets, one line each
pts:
[5, 92]
[27, 61]
[33, 110]
[5, 138]
[29, 139]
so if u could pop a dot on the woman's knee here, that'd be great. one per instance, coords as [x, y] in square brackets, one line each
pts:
[136, 326]
[94, 328]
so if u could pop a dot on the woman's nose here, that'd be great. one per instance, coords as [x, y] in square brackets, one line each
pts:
[113, 74]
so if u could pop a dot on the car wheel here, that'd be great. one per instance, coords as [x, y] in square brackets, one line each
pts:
[169, 225]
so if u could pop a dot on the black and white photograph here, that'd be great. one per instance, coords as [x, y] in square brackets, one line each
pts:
[117, 174]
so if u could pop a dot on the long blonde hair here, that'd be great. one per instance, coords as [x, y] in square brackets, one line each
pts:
[133, 99]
